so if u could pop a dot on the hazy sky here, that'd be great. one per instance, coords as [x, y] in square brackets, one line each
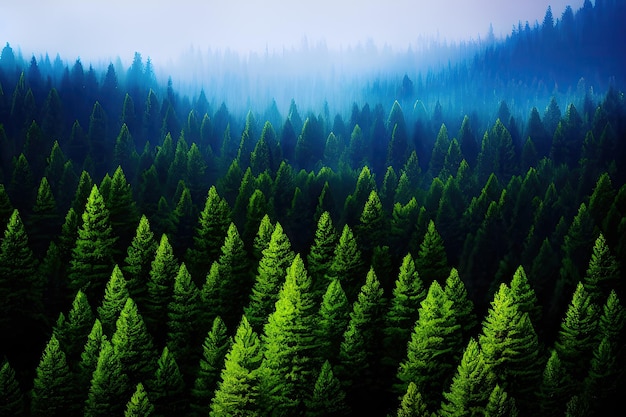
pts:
[103, 29]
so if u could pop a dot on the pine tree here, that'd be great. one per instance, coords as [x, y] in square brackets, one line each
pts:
[115, 295]
[182, 325]
[412, 404]
[167, 387]
[408, 293]
[123, 213]
[603, 271]
[89, 358]
[555, 387]
[321, 253]
[92, 256]
[371, 230]
[133, 344]
[328, 398]
[511, 347]
[262, 238]
[11, 397]
[109, 385]
[215, 346]
[140, 254]
[334, 314]
[44, 221]
[461, 303]
[238, 390]
[139, 404]
[435, 347]
[287, 368]
[277, 257]
[163, 272]
[72, 335]
[347, 265]
[432, 261]
[500, 404]
[471, 385]
[52, 388]
[524, 295]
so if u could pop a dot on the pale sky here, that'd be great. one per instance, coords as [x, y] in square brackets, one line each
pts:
[103, 29]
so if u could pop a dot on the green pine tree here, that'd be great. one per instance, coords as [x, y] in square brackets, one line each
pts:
[412, 404]
[500, 404]
[137, 264]
[347, 265]
[89, 358]
[555, 387]
[109, 385]
[432, 261]
[167, 387]
[115, 295]
[11, 397]
[524, 295]
[328, 398]
[139, 404]
[603, 272]
[321, 253]
[334, 314]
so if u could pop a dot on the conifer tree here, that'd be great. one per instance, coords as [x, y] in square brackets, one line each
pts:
[408, 293]
[211, 303]
[11, 397]
[163, 272]
[214, 349]
[334, 314]
[412, 404]
[603, 271]
[72, 335]
[52, 388]
[167, 387]
[524, 295]
[109, 385]
[89, 358]
[133, 344]
[371, 229]
[115, 295]
[182, 325]
[500, 404]
[85, 185]
[44, 220]
[347, 265]
[471, 385]
[137, 264]
[123, 213]
[435, 347]
[461, 303]
[321, 253]
[328, 398]
[555, 387]
[6, 208]
[139, 404]
[237, 393]
[432, 261]
[92, 256]
[287, 368]
[277, 257]
[262, 238]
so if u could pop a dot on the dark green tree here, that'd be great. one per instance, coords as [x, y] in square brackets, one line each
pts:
[333, 317]
[137, 264]
[321, 253]
[167, 387]
[328, 398]
[524, 296]
[555, 387]
[115, 296]
[603, 272]
[109, 385]
[347, 265]
[432, 261]
[123, 213]
[461, 303]
[89, 358]
[440, 149]
[11, 399]
[262, 238]
[44, 222]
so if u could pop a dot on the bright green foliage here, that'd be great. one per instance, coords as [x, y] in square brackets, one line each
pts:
[524, 295]
[612, 320]
[277, 257]
[347, 265]
[133, 344]
[123, 212]
[603, 271]
[408, 293]
[577, 335]
[237, 394]
[140, 254]
[412, 404]
[109, 385]
[183, 319]
[511, 348]
[163, 272]
[11, 397]
[333, 318]
[256, 210]
[328, 398]
[372, 227]
[52, 388]
[234, 276]
[287, 369]
[139, 404]
[115, 295]
[555, 387]
[210, 297]
[73, 334]
[262, 238]
[461, 303]
[361, 343]
[214, 349]
[321, 253]
[500, 404]
[92, 257]
[167, 387]
[89, 357]
[432, 262]
[435, 347]
[471, 385]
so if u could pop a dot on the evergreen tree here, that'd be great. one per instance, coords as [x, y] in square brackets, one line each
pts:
[92, 256]
[412, 404]
[461, 303]
[277, 257]
[500, 404]
[140, 254]
[435, 347]
[555, 386]
[89, 358]
[52, 388]
[237, 393]
[334, 314]
[109, 385]
[328, 398]
[167, 387]
[262, 238]
[321, 253]
[115, 295]
[72, 334]
[287, 369]
[347, 265]
[525, 297]
[432, 262]
[123, 212]
[371, 230]
[133, 344]
[44, 220]
[214, 349]
[11, 397]
[603, 271]
[139, 404]
[471, 385]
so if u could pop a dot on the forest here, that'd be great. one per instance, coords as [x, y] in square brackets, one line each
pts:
[450, 243]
